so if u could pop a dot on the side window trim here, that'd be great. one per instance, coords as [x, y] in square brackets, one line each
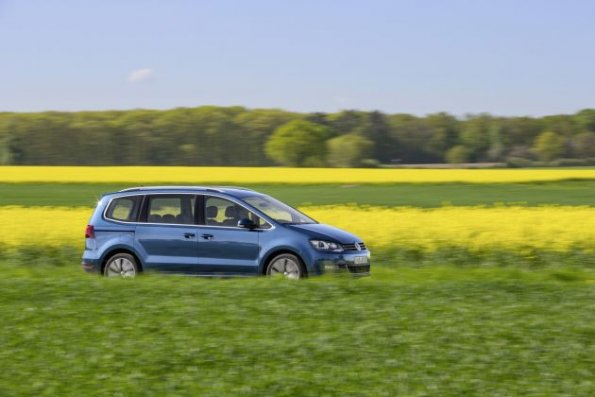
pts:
[199, 208]
[142, 218]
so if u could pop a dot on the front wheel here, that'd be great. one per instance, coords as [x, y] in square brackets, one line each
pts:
[121, 265]
[286, 265]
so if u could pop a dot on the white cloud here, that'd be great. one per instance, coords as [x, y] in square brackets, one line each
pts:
[342, 100]
[139, 75]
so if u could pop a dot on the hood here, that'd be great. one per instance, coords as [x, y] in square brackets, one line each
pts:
[326, 232]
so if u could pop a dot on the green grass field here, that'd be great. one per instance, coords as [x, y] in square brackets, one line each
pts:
[440, 331]
[418, 195]
[439, 324]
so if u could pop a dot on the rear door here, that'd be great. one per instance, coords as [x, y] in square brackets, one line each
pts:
[224, 248]
[166, 236]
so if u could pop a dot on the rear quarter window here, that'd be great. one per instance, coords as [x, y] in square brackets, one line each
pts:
[124, 209]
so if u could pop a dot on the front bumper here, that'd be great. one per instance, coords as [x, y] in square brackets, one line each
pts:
[355, 263]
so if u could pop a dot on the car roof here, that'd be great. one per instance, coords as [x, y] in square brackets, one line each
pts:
[230, 190]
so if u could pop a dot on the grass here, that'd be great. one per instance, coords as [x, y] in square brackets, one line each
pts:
[447, 323]
[30, 257]
[418, 195]
[404, 331]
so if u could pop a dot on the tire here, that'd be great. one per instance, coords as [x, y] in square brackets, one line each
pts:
[286, 265]
[121, 265]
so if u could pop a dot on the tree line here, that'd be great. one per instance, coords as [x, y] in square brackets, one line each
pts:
[211, 135]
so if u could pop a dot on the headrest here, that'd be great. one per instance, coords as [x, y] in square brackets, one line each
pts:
[168, 218]
[230, 212]
[212, 211]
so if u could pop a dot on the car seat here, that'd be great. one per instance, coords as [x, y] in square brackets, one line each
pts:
[212, 212]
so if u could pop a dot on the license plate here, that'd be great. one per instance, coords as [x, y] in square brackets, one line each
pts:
[360, 260]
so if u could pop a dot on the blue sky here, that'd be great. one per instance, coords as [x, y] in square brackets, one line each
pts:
[522, 57]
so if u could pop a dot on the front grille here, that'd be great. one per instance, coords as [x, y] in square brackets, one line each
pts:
[352, 247]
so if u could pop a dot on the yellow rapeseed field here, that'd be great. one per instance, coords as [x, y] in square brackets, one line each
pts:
[43, 225]
[256, 175]
[557, 228]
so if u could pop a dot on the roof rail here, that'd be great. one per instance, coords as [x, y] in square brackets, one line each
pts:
[141, 188]
[236, 187]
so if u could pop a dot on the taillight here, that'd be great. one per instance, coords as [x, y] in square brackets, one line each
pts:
[90, 231]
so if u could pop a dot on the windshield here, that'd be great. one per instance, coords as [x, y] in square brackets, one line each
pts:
[277, 210]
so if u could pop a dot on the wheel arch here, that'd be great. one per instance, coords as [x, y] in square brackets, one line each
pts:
[280, 251]
[120, 250]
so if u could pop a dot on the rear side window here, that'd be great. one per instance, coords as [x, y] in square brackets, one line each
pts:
[177, 209]
[124, 209]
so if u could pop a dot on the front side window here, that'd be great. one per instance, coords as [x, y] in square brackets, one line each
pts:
[277, 210]
[124, 209]
[222, 212]
[177, 209]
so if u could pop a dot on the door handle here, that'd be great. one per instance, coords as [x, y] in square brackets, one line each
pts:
[207, 236]
[189, 235]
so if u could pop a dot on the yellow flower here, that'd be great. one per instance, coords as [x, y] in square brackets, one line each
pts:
[517, 228]
[256, 175]
[549, 227]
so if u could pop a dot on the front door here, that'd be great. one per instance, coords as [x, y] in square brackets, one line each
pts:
[224, 248]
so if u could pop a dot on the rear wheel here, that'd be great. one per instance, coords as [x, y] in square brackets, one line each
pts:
[121, 265]
[287, 266]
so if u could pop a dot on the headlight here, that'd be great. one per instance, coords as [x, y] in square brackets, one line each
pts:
[329, 246]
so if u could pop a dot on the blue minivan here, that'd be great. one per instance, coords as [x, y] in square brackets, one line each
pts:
[213, 231]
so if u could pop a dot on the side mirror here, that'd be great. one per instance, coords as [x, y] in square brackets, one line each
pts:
[246, 223]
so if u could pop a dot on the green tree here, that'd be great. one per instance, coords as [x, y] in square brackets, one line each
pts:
[584, 144]
[215, 135]
[457, 155]
[298, 143]
[348, 150]
[586, 119]
[5, 155]
[347, 121]
[549, 146]
[5, 138]
[442, 131]
[475, 136]
[409, 137]
[257, 126]
[561, 124]
[520, 131]
[375, 127]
